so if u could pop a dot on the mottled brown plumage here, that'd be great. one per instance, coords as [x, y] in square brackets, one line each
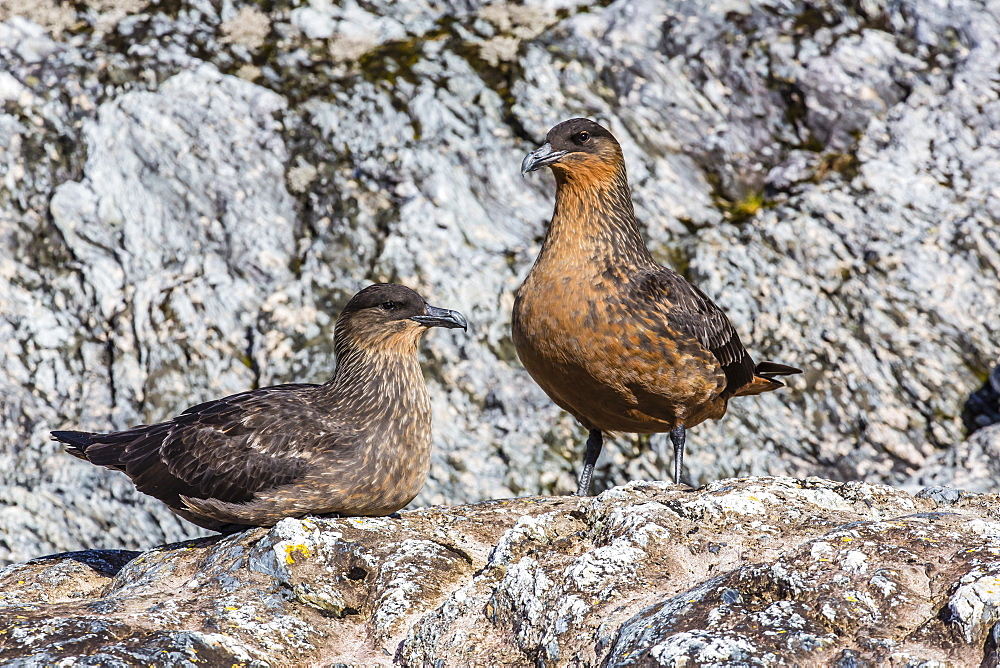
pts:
[619, 341]
[356, 445]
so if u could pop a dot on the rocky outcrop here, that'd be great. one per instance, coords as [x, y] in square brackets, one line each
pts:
[761, 571]
[191, 190]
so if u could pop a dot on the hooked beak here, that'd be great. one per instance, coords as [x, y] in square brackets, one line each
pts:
[540, 157]
[442, 317]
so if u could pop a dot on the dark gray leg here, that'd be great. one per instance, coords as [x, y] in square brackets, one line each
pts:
[677, 438]
[594, 443]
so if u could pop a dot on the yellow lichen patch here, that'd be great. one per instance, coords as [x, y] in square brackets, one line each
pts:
[301, 548]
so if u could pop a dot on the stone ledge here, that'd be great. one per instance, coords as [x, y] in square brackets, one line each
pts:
[778, 570]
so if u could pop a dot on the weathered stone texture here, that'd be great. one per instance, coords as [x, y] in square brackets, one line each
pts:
[189, 191]
[756, 571]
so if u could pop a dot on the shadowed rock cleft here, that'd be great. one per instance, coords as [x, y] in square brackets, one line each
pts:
[982, 408]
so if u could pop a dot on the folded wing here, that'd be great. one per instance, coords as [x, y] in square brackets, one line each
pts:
[229, 449]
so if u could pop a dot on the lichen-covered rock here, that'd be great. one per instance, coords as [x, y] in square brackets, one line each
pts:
[756, 571]
[190, 190]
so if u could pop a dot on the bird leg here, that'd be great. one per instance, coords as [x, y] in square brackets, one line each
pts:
[594, 443]
[677, 438]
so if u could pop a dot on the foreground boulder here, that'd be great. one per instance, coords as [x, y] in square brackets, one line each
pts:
[774, 571]
[191, 190]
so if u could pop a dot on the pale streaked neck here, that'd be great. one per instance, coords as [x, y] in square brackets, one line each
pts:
[377, 373]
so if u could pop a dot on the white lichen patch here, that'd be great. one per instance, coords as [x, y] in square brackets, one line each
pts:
[275, 632]
[715, 616]
[760, 496]
[640, 523]
[854, 561]
[562, 620]
[412, 567]
[301, 176]
[350, 29]
[289, 542]
[525, 589]
[758, 526]
[326, 598]
[975, 605]
[597, 571]
[703, 649]
[528, 529]
[793, 579]
[843, 538]
[882, 582]
[165, 614]
[821, 551]
[12, 90]
[738, 502]
[30, 634]
[862, 603]
[633, 490]
[572, 609]
[780, 616]
[142, 572]
[983, 527]
[249, 28]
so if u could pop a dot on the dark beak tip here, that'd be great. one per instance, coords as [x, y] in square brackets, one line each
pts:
[528, 164]
[442, 317]
[459, 321]
[543, 156]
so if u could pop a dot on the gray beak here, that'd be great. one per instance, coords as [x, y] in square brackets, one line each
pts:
[442, 317]
[540, 157]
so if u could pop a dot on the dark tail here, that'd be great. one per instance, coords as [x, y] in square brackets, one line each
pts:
[771, 369]
[78, 441]
[764, 378]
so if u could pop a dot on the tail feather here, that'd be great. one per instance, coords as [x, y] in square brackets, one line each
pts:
[764, 378]
[78, 441]
[770, 369]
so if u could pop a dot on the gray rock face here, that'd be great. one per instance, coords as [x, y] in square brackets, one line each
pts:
[190, 191]
[972, 465]
[758, 571]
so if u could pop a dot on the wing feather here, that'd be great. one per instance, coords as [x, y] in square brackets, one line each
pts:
[688, 310]
[228, 449]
